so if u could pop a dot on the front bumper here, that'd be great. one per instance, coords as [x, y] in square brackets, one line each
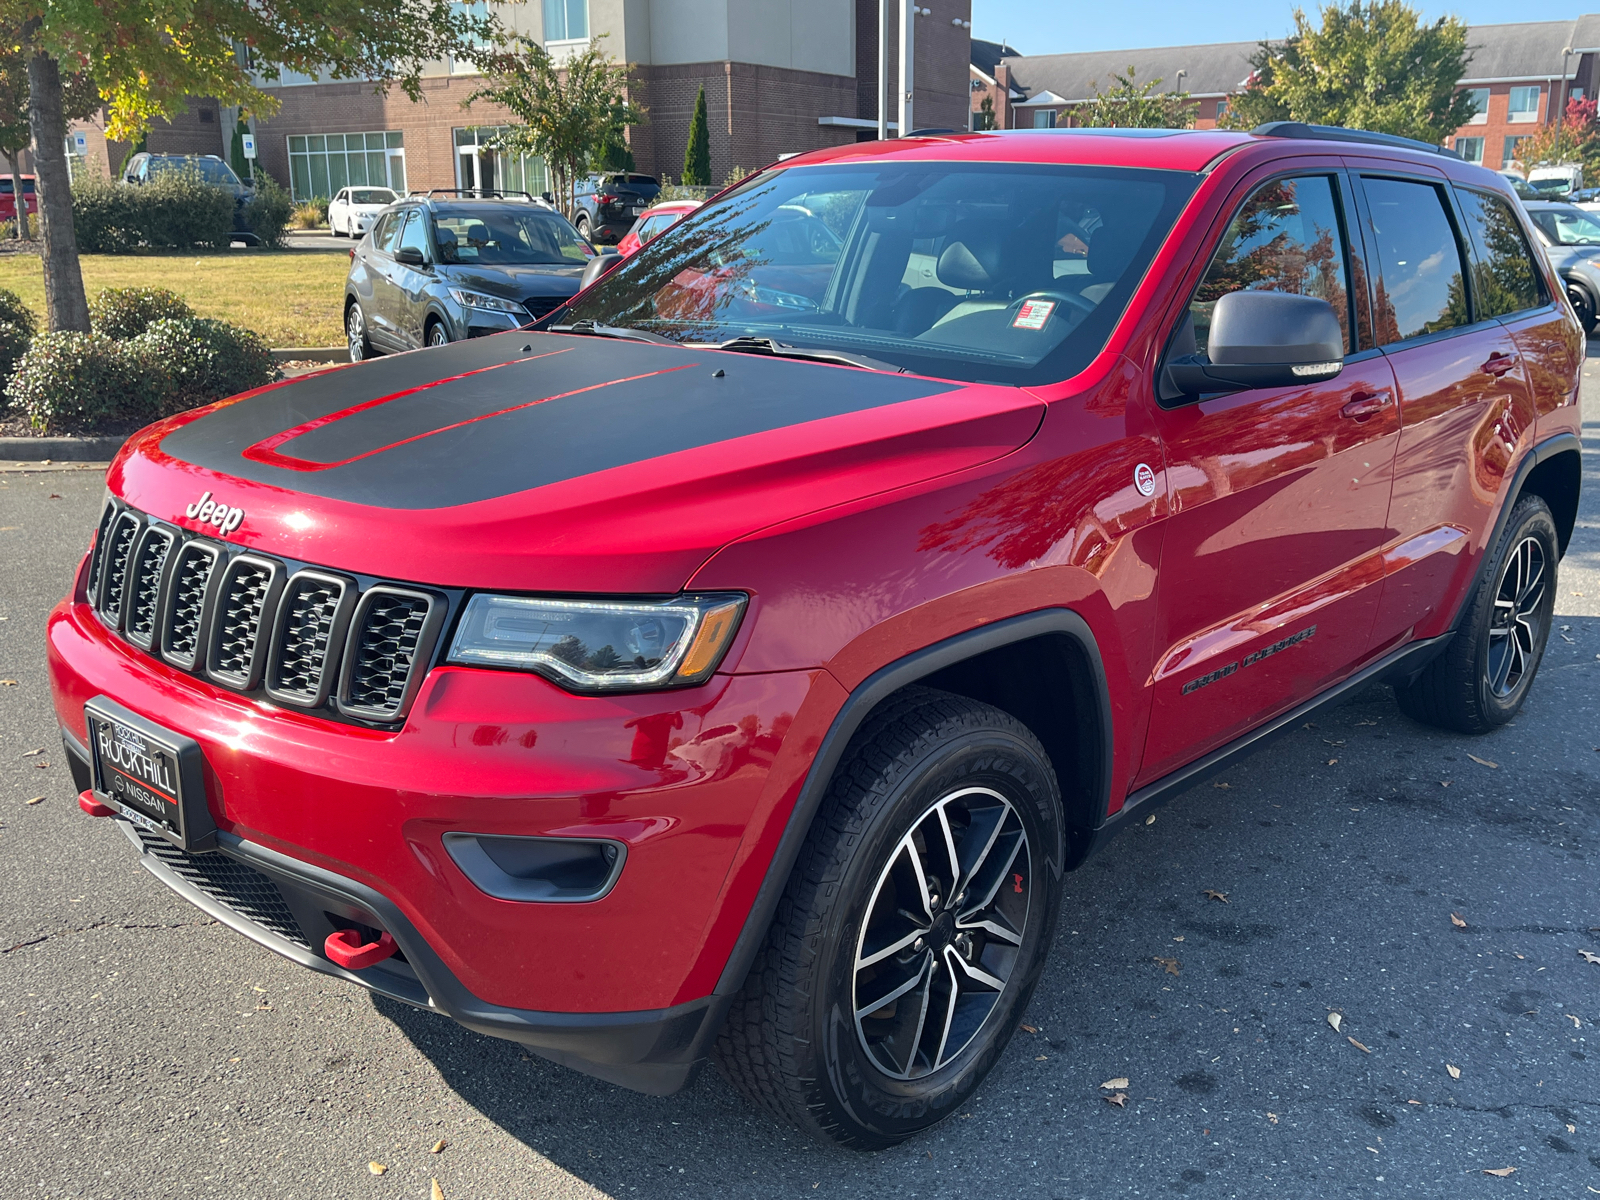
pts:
[335, 822]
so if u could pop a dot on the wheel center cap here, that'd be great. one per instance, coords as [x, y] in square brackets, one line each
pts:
[944, 929]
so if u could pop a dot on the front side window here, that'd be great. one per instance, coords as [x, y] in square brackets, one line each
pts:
[1470, 148]
[415, 236]
[1567, 226]
[566, 20]
[1421, 285]
[1286, 238]
[1524, 104]
[1005, 272]
[503, 238]
[1480, 104]
[387, 235]
[1504, 277]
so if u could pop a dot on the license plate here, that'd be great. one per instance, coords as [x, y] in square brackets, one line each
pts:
[149, 774]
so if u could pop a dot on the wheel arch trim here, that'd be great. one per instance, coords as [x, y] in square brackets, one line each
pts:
[866, 696]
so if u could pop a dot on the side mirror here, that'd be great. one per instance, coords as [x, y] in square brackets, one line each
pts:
[410, 255]
[1263, 340]
[606, 258]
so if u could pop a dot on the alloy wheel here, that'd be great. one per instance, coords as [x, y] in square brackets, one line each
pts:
[943, 932]
[1515, 631]
[355, 328]
[438, 335]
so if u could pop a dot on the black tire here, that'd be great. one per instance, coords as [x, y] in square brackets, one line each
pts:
[1583, 304]
[795, 1043]
[1481, 679]
[355, 330]
[581, 224]
[438, 334]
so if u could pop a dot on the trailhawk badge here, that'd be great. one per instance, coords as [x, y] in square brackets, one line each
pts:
[1144, 479]
[208, 512]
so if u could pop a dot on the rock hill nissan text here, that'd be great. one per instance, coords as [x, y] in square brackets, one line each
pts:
[729, 664]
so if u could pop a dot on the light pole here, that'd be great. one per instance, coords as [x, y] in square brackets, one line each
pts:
[1561, 113]
[883, 70]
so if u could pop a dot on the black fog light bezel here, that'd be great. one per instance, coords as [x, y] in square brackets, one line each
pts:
[489, 876]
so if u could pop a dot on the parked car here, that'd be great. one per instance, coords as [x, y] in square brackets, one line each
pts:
[435, 271]
[1556, 182]
[608, 205]
[1523, 189]
[8, 199]
[734, 663]
[1571, 238]
[353, 209]
[655, 221]
[143, 167]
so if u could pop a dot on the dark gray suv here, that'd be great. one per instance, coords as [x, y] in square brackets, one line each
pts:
[438, 270]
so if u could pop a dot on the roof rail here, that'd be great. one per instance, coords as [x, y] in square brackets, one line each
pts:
[474, 193]
[1337, 133]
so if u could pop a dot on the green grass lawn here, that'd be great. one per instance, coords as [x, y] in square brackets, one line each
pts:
[289, 297]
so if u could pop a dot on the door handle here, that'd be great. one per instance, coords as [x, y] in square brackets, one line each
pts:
[1499, 364]
[1363, 406]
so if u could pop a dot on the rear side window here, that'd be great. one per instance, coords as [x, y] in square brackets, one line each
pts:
[1421, 286]
[1504, 277]
[1287, 237]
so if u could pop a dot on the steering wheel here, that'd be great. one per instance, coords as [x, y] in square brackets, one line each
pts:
[1072, 299]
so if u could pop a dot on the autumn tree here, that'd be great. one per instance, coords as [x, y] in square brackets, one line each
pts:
[1575, 138]
[565, 114]
[80, 98]
[1375, 66]
[1129, 104]
[146, 57]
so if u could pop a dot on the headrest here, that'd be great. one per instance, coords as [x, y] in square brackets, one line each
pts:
[971, 263]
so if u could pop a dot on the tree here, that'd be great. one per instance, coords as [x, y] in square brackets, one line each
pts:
[697, 154]
[79, 100]
[566, 113]
[1575, 138]
[147, 56]
[1375, 66]
[241, 165]
[1129, 104]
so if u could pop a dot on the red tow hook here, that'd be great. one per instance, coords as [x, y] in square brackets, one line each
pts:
[93, 807]
[345, 947]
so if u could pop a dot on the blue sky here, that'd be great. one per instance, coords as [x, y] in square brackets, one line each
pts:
[1052, 27]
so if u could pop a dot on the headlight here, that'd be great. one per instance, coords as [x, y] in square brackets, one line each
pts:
[591, 645]
[491, 303]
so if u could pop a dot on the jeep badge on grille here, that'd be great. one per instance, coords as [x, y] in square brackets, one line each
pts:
[208, 512]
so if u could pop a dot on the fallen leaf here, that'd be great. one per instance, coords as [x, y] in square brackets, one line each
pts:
[1179, 938]
[438, 1147]
[1444, 783]
[34, 753]
[1273, 1117]
[1213, 894]
[1418, 1103]
[1455, 919]
[1309, 725]
[1331, 761]
[1484, 762]
[55, 495]
[1576, 1024]
[1500, 1172]
[1042, 1058]
[1455, 1072]
[435, 1192]
[376, 1168]
[1115, 1085]
[1030, 1028]
[1150, 820]
[41, 765]
[1120, 1099]
[1357, 1044]
[1589, 956]
[1334, 1019]
[8, 683]
[1571, 1128]
[1171, 964]
[36, 800]
[1366, 722]
[1222, 785]
[1332, 743]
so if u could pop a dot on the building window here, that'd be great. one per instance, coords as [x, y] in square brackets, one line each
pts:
[320, 164]
[477, 166]
[1509, 155]
[1222, 111]
[1470, 149]
[1044, 118]
[1524, 105]
[1480, 104]
[478, 10]
[566, 20]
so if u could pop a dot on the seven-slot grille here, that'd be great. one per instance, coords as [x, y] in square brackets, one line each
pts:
[243, 621]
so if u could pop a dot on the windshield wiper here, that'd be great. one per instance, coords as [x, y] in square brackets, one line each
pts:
[766, 345]
[595, 329]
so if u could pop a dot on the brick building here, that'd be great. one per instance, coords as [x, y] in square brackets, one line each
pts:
[779, 75]
[1520, 77]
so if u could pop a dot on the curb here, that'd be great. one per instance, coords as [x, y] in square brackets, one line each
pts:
[326, 354]
[60, 449]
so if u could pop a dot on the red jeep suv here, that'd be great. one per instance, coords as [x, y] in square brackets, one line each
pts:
[732, 664]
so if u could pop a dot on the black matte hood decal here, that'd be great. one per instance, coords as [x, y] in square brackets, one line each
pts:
[494, 416]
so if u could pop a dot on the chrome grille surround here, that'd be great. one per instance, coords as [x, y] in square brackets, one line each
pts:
[251, 623]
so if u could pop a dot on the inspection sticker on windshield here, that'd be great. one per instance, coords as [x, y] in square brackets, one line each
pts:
[1033, 314]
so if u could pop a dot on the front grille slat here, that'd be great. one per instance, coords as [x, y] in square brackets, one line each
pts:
[99, 554]
[243, 605]
[392, 633]
[143, 593]
[228, 881]
[187, 605]
[311, 623]
[114, 571]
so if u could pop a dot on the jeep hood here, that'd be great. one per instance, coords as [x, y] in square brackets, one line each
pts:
[553, 462]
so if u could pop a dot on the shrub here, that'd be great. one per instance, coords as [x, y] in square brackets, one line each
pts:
[175, 210]
[268, 211]
[104, 217]
[14, 312]
[311, 214]
[73, 382]
[18, 326]
[123, 313]
[195, 360]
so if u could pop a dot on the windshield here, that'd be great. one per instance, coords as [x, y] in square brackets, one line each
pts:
[211, 170]
[1554, 186]
[1568, 226]
[1014, 273]
[534, 237]
[372, 196]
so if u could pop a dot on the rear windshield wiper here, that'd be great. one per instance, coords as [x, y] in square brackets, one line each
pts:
[766, 345]
[595, 329]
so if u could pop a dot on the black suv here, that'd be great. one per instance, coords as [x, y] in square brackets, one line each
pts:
[143, 167]
[437, 269]
[608, 205]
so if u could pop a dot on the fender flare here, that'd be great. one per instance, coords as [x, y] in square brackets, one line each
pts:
[866, 696]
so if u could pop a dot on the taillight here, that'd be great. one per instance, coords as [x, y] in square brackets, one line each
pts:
[352, 254]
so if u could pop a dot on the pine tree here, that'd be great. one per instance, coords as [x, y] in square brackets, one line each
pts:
[697, 155]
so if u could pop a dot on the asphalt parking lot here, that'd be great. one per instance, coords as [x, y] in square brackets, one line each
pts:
[148, 1052]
